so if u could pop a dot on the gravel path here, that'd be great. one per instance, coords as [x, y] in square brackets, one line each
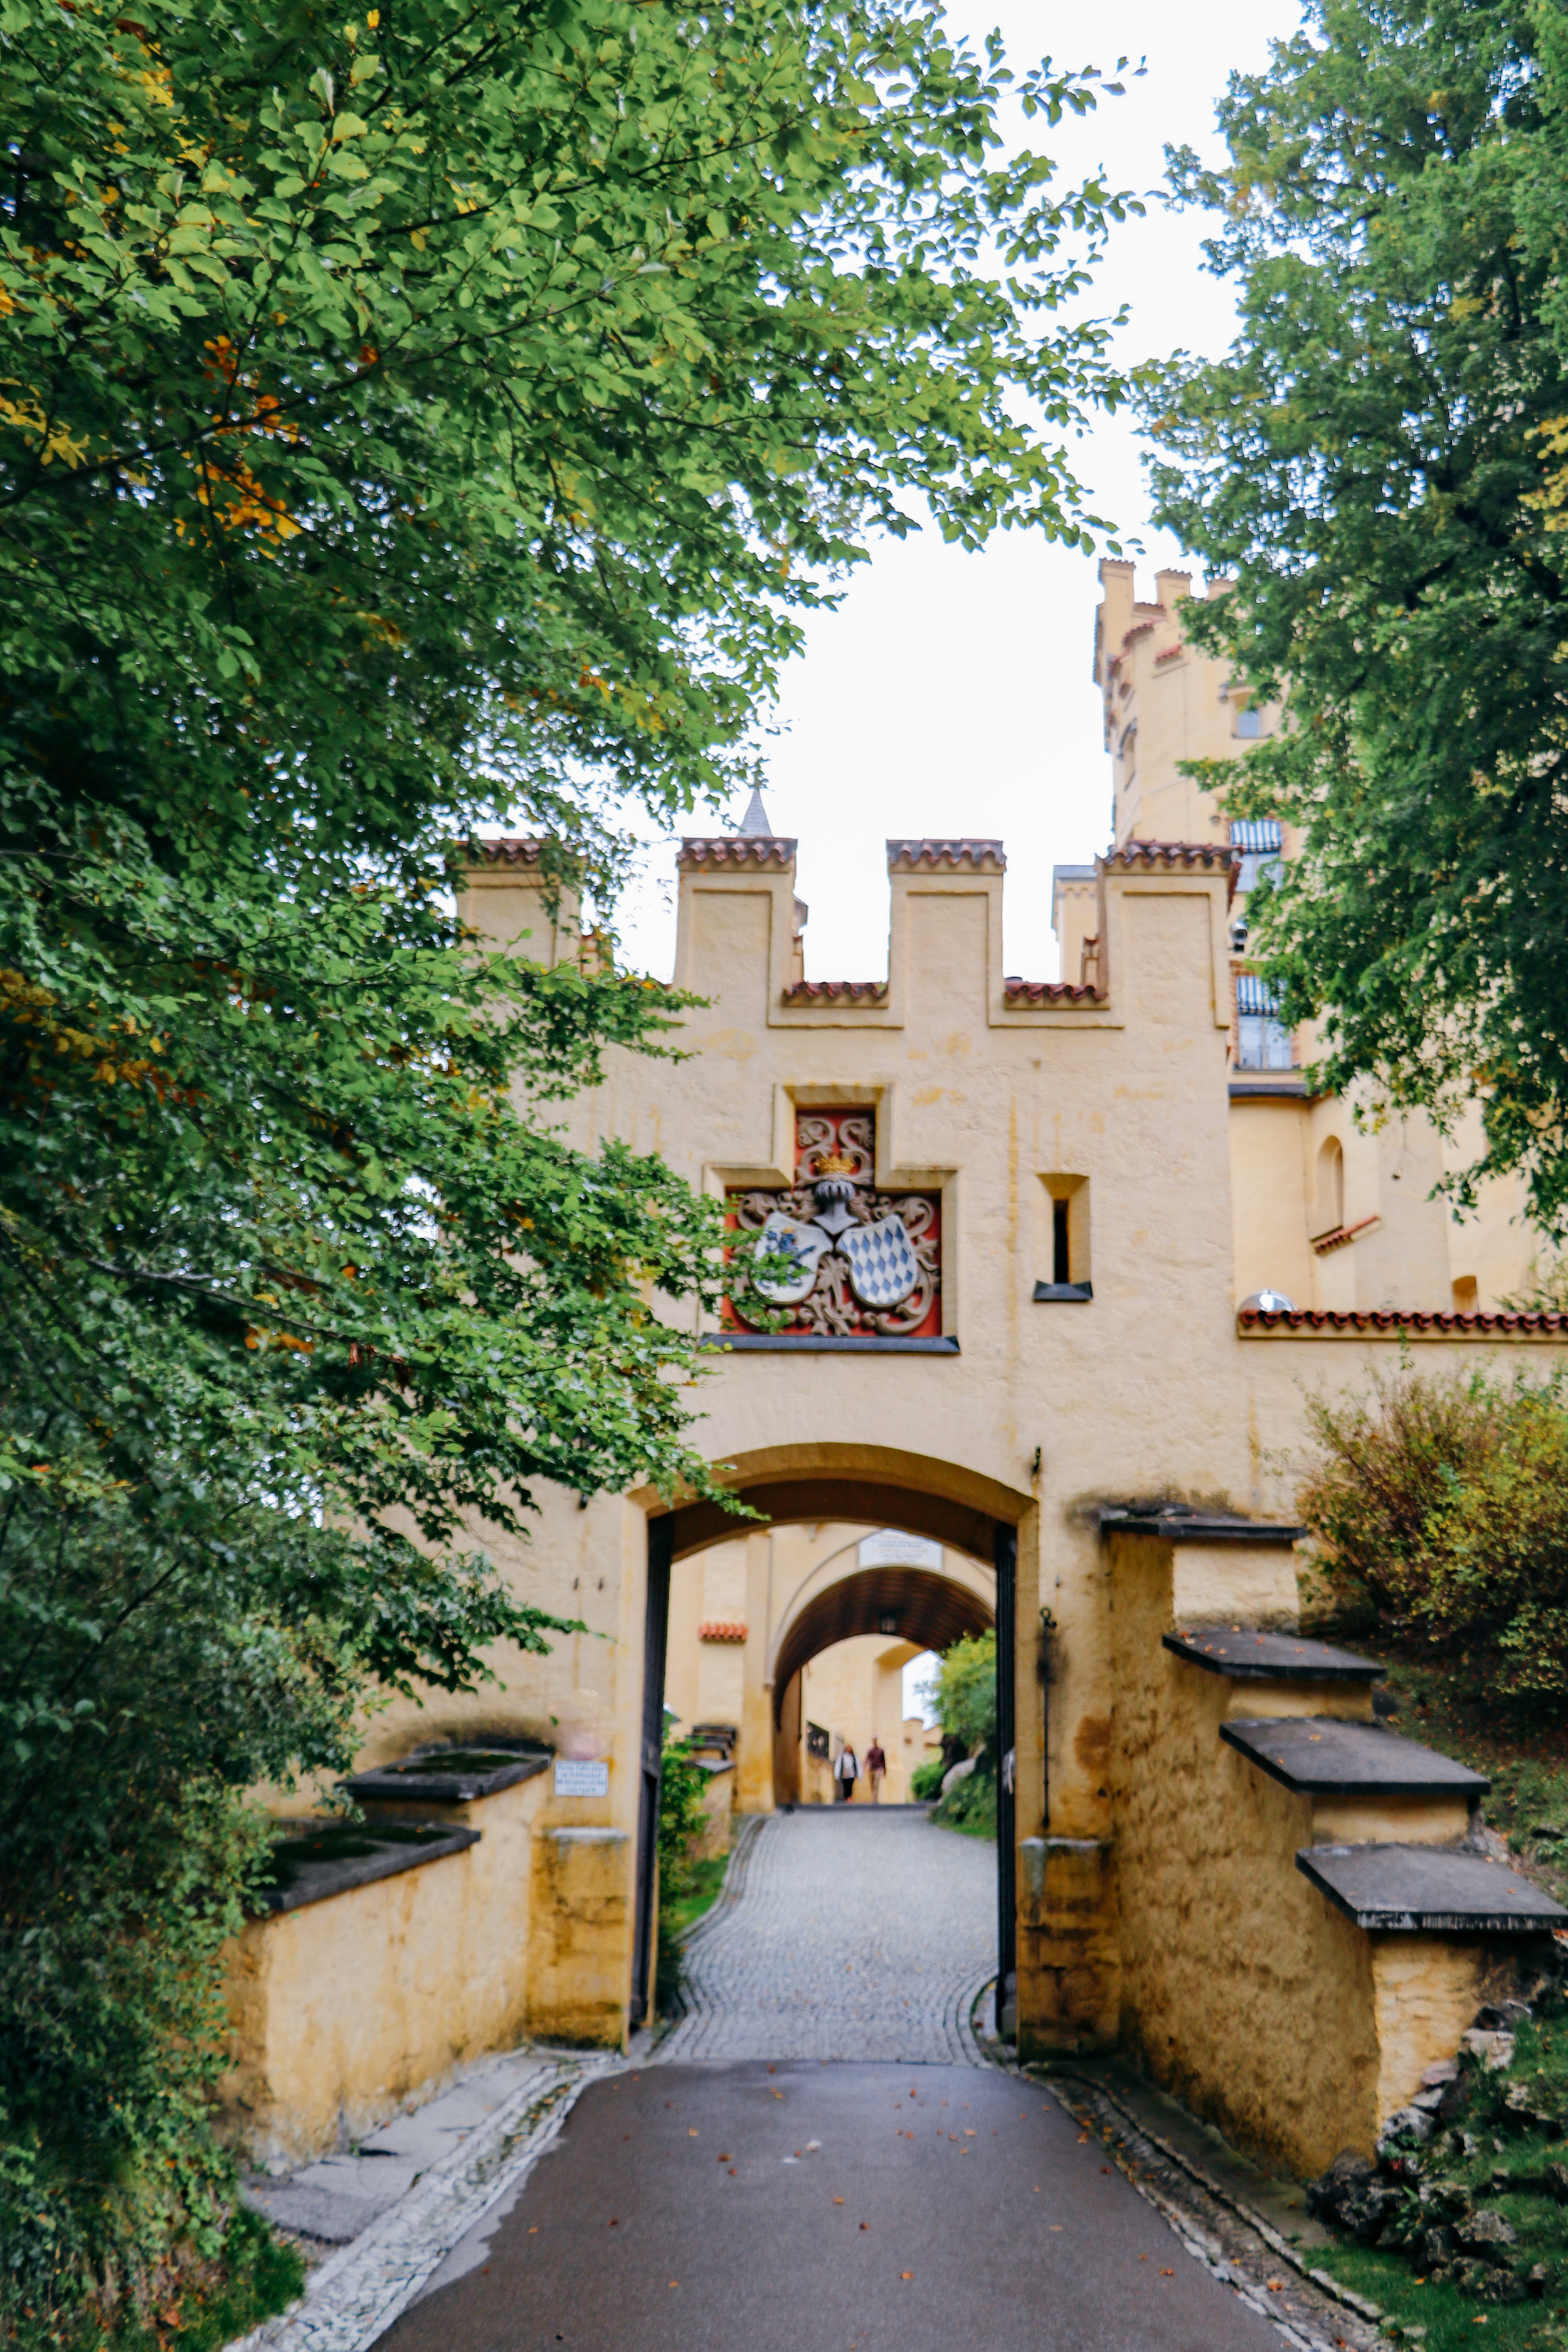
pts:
[853, 1932]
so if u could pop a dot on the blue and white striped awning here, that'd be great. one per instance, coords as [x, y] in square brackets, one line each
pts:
[1254, 995]
[1254, 836]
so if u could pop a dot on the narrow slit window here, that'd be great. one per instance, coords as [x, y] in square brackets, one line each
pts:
[1060, 1264]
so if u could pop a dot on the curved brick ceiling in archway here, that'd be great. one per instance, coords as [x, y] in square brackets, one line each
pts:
[931, 1610]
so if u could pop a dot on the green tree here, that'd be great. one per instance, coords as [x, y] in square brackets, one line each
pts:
[440, 415]
[1372, 465]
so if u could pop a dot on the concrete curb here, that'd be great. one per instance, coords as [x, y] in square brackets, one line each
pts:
[1066, 2088]
[359, 2290]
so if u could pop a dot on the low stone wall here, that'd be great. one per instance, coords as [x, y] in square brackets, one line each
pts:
[1238, 1986]
[717, 1832]
[371, 1983]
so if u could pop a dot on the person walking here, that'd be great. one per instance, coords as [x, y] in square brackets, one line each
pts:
[876, 1765]
[846, 1772]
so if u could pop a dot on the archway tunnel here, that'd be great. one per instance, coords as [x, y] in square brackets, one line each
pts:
[902, 1603]
[906, 1604]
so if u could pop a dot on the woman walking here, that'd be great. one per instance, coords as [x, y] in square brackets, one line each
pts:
[846, 1772]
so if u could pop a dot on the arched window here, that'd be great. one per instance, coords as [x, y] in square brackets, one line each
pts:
[1330, 1200]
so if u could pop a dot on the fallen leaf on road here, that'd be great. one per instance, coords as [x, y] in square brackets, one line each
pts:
[1105, 2167]
[838, 2201]
[778, 2094]
[1167, 2274]
[907, 2274]
[969, 2131]
[1082, 2138]
[1276, 2286]
[865, 2225]
[725, 2158]
[691, 2133]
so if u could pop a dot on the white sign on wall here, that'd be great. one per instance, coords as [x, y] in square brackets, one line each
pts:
[575, 1779]
[890, 1549]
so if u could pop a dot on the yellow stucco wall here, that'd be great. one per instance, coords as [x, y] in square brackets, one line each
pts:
[1149, 1390]
[764, 1581]
[341, 2008]
[1167, 704]
[1308, 2033]
[1044, 1411]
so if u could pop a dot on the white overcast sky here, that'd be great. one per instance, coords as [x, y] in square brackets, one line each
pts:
[951, 693]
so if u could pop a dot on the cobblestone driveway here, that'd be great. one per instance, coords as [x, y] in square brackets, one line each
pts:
[852, 1932]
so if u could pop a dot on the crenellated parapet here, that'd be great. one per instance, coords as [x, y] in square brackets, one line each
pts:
[524, 851]
[732, 851]
[1207, 857]
[946, 857]
[739, 939]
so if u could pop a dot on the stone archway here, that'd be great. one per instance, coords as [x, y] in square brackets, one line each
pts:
[872, 1486]
[930, 1610]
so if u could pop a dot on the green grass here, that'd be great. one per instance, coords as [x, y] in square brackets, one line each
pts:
[707, 1878]
[1502, 2165]
[970, 1807]
[676, 1914]
[1453, 2323]
[1526, 1762]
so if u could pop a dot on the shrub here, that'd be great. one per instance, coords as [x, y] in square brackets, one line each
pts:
[1439, 1506]
[970, 1804]
[925, 1781]
[965, 1689]
[680, 1790]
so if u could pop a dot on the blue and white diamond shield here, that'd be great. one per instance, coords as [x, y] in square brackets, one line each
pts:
[784, 1236]
[883, 1269]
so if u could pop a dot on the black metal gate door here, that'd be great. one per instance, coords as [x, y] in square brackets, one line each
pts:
[655, 1629]
[1006, 1552]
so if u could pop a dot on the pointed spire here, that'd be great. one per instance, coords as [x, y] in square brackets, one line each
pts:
[755, 820]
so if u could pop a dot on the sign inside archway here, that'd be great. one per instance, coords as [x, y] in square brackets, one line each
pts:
[832, 1255]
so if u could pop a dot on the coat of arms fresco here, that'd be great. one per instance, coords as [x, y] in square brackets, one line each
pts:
[834, 1256]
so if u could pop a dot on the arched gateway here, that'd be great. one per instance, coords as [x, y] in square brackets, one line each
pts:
[982, 1288]
[871, 1486]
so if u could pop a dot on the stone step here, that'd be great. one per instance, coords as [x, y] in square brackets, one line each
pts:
[1320, 1756]
[1245, 1656]
[1428, 1890]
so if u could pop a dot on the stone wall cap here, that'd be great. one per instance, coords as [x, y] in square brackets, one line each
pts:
[391, 1847]
[928, 855]
[1317, 1756]
[1177, 1523]
[1022, 995]
[1527, 1323]
[836, 991]
[1066, 1845]
[1245, 1655]
[1428, 1890]
[513, 849]
[812, 1343]
[589, 1837]
[737, 849]
[422, 1776]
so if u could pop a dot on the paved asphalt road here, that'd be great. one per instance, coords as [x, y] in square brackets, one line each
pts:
[750, 2208]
